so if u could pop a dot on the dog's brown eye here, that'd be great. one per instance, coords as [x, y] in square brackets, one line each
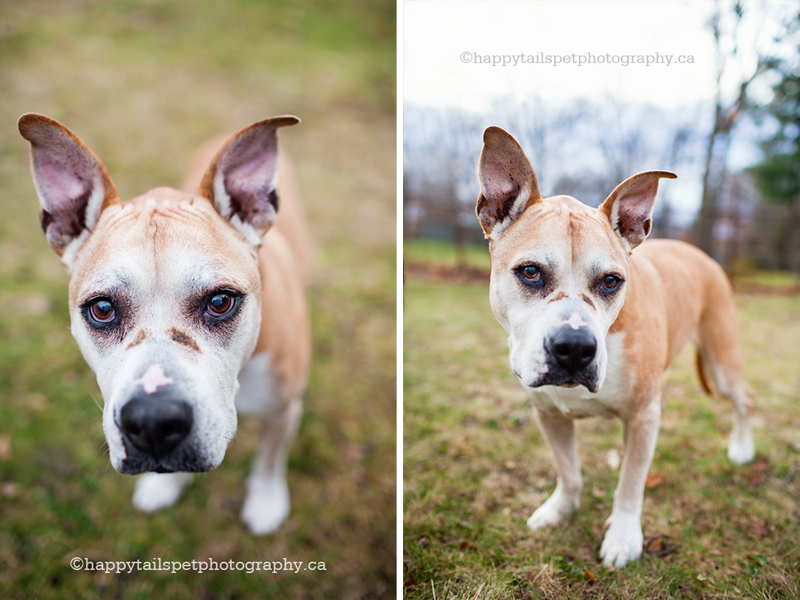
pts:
[102, 311]
[532, 273]
[611, 282]
[220, 304]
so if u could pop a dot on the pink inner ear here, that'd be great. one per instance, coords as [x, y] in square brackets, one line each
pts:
[249, 167]
[64, 179]
[60, 181]
[633, 212]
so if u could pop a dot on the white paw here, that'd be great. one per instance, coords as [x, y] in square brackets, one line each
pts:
[741, 449]
[155, 491]
[555, 508]
[266, 505]
[623, 540]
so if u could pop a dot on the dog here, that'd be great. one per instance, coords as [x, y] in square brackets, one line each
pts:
[185, 310]
[592, 324]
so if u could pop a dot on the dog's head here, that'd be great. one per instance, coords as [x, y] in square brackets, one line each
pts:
[559, 267]
[165, 293]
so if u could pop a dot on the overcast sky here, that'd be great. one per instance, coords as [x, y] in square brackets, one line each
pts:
[447, 43]
[444, 40]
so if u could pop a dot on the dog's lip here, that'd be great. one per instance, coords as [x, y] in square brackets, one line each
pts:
[567, 383]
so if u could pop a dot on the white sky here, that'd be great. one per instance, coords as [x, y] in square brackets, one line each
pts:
[437, 32]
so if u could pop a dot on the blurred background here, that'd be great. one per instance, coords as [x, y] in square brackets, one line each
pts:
[723, 115]
[144, 83]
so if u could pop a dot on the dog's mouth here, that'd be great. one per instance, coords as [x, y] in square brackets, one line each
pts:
[137, 463]
[588, 378]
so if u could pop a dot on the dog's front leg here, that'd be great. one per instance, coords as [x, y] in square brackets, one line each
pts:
[267, 502]
[560, 435]
[623, 540]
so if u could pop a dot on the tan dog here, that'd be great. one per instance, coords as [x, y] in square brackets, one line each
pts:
[592, 326]
[181, 308]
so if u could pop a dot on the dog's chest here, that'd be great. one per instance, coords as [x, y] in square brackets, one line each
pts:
[259, 389]
[612, 400]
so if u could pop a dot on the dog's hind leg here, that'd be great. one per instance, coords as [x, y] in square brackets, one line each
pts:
[560, 435]
[267, 502]
[155, 491]
[720, 361]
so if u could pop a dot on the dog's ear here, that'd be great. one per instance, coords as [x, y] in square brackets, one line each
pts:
[508, 183]
[73, 185]
[242, 179]
[629, 208]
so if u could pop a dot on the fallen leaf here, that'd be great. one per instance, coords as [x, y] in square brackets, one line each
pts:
[658, 545]
[590, 577]
[653, 480]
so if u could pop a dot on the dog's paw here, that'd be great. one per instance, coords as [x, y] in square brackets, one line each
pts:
[623, 540]
[555, 508]
[741, 448]
[155, 491]
[266, 506]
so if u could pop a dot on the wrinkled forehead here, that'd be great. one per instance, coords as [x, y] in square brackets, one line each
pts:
[560, 231]
[176, 247]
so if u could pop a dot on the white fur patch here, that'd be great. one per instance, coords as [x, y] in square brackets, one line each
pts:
[513, 214]
[68, 258]
[259, 393]
[615, 226]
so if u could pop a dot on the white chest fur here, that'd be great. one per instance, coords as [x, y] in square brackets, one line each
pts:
[258, 392]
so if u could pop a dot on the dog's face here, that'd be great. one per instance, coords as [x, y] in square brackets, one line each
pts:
[558, 283]
[559, 267]
[165, 293]
[165, 305]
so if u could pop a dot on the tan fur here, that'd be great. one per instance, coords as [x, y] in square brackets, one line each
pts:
[283, 257]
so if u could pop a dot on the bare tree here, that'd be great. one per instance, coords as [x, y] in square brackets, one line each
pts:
[726, 116]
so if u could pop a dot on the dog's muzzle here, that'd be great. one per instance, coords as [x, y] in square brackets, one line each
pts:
[571, 358]
[156, 426]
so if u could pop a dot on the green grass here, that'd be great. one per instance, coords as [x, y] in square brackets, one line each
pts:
[144, 83]
[475, 467]
[443, 253]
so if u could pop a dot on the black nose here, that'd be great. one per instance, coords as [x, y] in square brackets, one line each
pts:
[572, 349]
[156, 425]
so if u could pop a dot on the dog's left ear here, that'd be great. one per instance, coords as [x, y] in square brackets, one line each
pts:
[629, 208]
[242, 179]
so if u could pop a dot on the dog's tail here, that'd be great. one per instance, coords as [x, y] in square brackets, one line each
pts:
[701, 374]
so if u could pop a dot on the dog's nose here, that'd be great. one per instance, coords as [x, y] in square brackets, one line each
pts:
[573, 349]
[156, 425]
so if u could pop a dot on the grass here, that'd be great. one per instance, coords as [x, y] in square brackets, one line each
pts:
[144, 83]
[475, 467]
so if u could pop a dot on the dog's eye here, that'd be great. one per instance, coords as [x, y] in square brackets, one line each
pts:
[221, 304]
[610, 283]
[101, 311]
[531, 273]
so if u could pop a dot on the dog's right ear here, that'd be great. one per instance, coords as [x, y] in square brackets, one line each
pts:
[242, 179]
[508, 183]
[74, 187]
